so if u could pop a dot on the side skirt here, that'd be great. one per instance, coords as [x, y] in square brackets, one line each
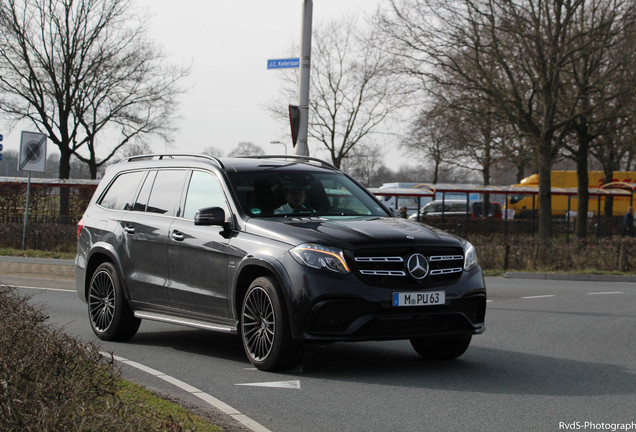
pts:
[154, 316]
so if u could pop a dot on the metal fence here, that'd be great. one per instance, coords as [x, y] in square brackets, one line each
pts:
[44, 201]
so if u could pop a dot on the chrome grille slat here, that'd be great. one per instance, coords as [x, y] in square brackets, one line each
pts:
[445, 258]
[445, 271]
[382, 266]
[379, 259]
[382, 273]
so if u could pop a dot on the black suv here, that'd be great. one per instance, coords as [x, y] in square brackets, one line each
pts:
[283, 250]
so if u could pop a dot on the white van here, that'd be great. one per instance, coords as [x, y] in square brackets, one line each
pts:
[410, 202]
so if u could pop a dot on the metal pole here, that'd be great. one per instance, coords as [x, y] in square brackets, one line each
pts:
[302, 148]
[567, 221]
[443, 205]
[468, 205]
[26, 213]
[506, 217]
[598, 216]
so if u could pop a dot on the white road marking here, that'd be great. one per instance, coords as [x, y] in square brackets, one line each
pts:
[538, 296]
[43, 288]
[211, 400]
[606, 292]
[275, 384]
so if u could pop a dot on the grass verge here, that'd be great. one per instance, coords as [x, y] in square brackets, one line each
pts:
[51, 381]
[161, 413]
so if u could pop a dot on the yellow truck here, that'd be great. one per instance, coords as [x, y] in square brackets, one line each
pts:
[522, 204]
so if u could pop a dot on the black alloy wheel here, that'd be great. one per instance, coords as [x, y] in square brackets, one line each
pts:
[109, 313]
[265, 328]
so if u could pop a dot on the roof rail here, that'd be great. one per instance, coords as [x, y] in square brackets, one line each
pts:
[172, 156]
[295, 158]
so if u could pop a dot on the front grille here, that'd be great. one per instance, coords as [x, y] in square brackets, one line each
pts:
[390, 266]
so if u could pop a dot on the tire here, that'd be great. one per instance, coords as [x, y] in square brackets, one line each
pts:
[264, 328]
[110, 315]
[446, 348]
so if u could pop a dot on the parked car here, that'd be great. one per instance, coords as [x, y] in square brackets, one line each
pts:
[211, 243]
[457, 208]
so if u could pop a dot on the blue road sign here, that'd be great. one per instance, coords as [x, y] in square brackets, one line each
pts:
[283, 63]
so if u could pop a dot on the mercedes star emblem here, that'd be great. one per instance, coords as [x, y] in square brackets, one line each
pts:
[417, 266]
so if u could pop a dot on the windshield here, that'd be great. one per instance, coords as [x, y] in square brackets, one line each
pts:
[516, 198]
[280, 193]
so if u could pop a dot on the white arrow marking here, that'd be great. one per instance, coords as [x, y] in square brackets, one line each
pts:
[275, 384]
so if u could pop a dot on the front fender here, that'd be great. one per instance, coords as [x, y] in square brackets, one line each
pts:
[253, 266]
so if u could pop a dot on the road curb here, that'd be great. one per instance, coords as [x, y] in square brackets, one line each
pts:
[36, 261]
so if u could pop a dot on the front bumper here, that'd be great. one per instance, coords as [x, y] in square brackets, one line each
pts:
[357, 321]
[328, 307]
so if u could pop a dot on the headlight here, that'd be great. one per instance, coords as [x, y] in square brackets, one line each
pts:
[470, 256]
[320, 257]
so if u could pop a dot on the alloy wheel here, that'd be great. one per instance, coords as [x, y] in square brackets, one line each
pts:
[101, 301]
[258, 324]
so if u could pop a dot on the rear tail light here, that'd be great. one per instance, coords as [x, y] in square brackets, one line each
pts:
[80, 227]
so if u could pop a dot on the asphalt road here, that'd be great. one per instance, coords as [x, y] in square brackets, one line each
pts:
[554, 353]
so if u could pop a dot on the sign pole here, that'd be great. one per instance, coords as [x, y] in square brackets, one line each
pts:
[32, 158]
[26, 213]
[301, 148]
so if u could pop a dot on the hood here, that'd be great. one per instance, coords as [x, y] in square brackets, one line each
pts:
[350, 233]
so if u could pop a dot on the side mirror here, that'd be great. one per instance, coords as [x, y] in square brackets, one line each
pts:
[210, 216]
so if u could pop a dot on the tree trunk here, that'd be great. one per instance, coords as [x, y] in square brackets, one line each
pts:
[65, 173]
[583, 183]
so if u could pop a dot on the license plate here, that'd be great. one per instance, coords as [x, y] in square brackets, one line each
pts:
[428, 298]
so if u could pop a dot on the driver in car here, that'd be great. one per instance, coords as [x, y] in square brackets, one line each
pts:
[295, 195]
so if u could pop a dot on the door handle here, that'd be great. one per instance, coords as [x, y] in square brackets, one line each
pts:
[129, 229]
[177, 235]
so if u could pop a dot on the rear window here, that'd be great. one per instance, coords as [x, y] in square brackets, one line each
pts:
[121, 191]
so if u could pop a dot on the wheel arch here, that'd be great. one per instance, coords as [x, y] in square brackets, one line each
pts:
[99, 254]
[253, 268]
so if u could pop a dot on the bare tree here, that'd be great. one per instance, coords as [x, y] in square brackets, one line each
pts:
[364, 163]
[246, 149]
[429, 141]
[601, 85]
[512, 57]
[212, 151]
[351, 94]
[75, 67]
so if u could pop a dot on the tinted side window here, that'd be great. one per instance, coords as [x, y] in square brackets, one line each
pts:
[166, 192]
[121, 192]
[204, 191]
[142, 200]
